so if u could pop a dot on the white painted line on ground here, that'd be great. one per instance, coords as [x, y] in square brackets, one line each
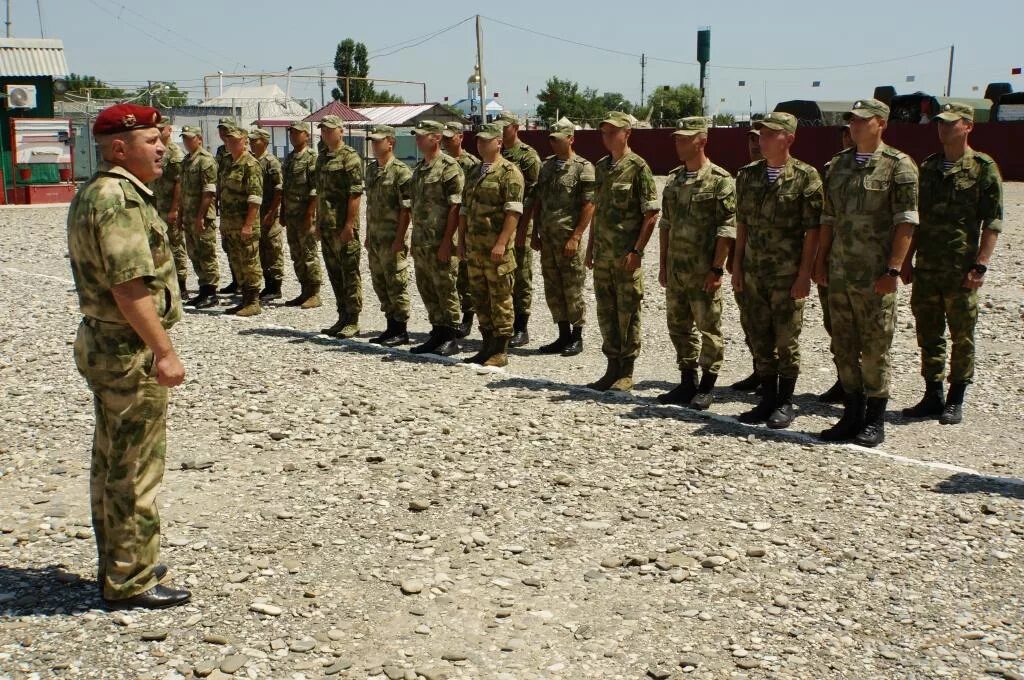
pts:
[795, 436]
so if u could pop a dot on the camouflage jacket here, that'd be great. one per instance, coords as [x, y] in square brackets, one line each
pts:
[223, 158]
[339, 176]
[198, 176]
[241, 185]
[299, 180]
[863, 204]
[467, 162]
[273, 179]
[114, 236]
[624, 193]
[697, 212]
[487, 197]
[163, 186]
[777, 215]
[528, 160]
[955, 207]
[563, 190]
[387, 194]
[436, 186]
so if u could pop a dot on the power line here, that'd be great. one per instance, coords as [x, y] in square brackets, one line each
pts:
[425, 39]
[157, 38]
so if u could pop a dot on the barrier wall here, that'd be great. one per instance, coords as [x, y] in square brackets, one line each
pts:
[815, 145]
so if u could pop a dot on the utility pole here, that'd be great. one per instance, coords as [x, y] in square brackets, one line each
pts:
[480, 70]
[322, 83]
[703, 57]
[643, 80]
[39, 10]
[8, 18]
[949, 77]
[149, 91]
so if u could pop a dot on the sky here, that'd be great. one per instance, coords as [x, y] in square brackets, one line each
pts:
[779, 50]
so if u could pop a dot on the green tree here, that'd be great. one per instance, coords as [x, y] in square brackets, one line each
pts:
[724, 119]
[566, 98]
[80, 85]
[669, 104]
[351, 59]
[615, 101]
[163, 95]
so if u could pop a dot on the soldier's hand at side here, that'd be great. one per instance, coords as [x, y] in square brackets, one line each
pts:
[631, 262]
[907, 272]
[498, 252]
[571, 246]
[172, 217]
[199, 225]
[268, 220]
[347, 234]
[820, 275]
[460, 251]
[535, 241]
[663, 276]
[396, 246]
[247, 231]
[444, 253]
[885, 284]
[737, 279]
[170, 372]
[974, 280]
[801, 288]
[590, 260]
[712, 282]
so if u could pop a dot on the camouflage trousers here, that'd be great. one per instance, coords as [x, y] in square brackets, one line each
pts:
[341, 260]
[564, 278]
[437, 283]
[462, 285]
[272, 252]
[694, 323]
[176, 237]
[773, 321]
[522, 295]
[937, 300]
[863, 324]
[389, 273]
[243, 253]
[619, 296]
[128, 449]
[492, 284]
[304, 249]
[202, 250]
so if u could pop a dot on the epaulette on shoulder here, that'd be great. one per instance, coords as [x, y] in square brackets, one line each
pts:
[893, 153]
[720, 171]
[984, 158]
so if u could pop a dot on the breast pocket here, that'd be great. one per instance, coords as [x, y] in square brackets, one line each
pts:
[621, 195]
[876, 193]
[702, 206]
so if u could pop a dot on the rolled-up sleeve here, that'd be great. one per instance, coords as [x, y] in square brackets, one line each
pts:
[648, 191]
[904, 193]
[991, 208]
[725, 195]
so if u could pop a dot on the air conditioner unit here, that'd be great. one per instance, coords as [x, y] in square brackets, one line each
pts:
[21, 96]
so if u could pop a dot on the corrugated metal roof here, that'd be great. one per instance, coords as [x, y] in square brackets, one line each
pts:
[399, 114]
[336, 108]
[39, 57]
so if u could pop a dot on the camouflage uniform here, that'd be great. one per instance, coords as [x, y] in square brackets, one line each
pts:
[777, 215]
[241, 186]
[163, 190]
[199, 176]
[488, 197]
[468, 162]
[272, 238]
[863, 204]
[115, 235]
[563, 189]
[299, 187]
[696, 212]
[436, 186]
[339, 176]
[387, 194]
[528, 160]
[955, 206]
[624, 192]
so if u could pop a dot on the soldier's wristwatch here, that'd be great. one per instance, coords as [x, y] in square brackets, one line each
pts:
[638, 253]
[979, 268]
[893, 272]
[717, 271]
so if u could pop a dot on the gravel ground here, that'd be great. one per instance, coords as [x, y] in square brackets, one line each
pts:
[339, 510]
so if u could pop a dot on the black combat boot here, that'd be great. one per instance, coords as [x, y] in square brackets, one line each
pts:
[466, 327]
[873, 431]
[748, 384]
[386, 335]
[575, 345]
[611, 374]
[231, 288]
[432, 343]
[702, 400]
[850, 423]
[487, 349]
[784, 414]
[272, 291]
[765, 407]
[520, 334]
[834, 394]
[953, 413]
[563, 340]
[400, 337]
[449, 344]
[683, 393]
[206, 298]
[931, 403]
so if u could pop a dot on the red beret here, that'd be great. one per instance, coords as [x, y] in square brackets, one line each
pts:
[124, 117]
